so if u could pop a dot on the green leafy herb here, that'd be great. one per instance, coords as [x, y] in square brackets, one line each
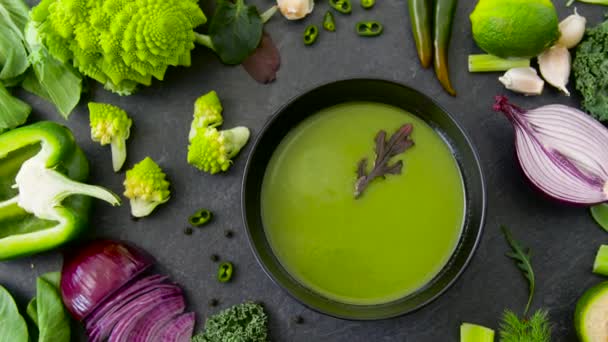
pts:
[535, 329]
[12, 324]
[13, 112]
[522, 258]
[385, 150]
[235, 30]
[600, 215]
[243, 322]
[47, 311]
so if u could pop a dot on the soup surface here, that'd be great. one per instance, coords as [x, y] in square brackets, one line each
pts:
[382, 246]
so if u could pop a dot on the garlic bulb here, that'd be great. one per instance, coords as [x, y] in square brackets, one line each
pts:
[523, 80]
[295, 9]
[554, 65]
[572, 30]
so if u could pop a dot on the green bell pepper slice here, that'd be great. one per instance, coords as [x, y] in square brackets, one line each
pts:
[43, 203]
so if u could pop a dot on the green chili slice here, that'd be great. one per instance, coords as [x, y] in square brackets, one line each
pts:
[369, 28]
[310, 34]
[367, 4]
[329, 23]
[224, 272]
[342, 6]
[200, 218]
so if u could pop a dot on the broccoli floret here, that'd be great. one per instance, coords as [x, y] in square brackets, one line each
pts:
[244, 322]
[211, 150]
[146, 187]
[110, 125]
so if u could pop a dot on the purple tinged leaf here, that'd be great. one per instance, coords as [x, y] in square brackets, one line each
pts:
[264, 63]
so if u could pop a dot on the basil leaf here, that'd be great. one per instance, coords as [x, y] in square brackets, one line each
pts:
[13, 55]
[12, 324]
[32, 310]
[13, 112]
[235, 30]
[52, 319]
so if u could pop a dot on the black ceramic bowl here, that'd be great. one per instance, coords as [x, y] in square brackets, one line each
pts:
[363, 90]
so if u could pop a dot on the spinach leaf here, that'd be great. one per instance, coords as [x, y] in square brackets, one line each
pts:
[47, 311]
[12, 324]
[13, 112]
[235, 30]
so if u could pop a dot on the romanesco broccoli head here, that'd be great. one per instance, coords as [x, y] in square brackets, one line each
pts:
[120, 43]
[211, 150]
[146, 187]
[207, 112]
[110, 125]
[243, 322]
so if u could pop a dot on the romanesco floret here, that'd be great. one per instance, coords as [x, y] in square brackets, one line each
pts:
[243, 322]
[211, 150]
[146, 187]
[110, 125]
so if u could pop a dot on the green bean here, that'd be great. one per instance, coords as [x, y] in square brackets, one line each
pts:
[369, 28]
[342, 6]
[200, 218]
[367, 4]
[329, 23]
[310, 34]
[224, 272]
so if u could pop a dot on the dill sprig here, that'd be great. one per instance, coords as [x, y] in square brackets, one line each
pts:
[535, 329]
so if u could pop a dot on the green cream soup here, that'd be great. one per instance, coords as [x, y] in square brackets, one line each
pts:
[382, 246]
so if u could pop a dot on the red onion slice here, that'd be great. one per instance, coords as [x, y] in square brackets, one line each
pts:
[94, 272]
[148, 326]
[178, 330]
[122, 297]
[561, 150]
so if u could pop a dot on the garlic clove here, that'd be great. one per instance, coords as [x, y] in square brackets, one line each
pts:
[555, 65]
[523, 80]
[295, 9]
[572, 30]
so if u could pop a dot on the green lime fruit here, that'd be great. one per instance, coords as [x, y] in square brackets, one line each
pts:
[515, 28]
[591, 315]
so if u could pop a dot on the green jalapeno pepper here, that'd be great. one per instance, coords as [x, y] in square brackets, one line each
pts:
[200, 218]
[310, 34]
[420, 17]
[342, 6]
[329, 23]
[369, 28]
[224, 272]
[442, 31]
[367, 4]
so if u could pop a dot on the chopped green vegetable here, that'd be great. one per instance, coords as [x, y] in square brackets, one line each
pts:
[489, 63]
[243, 322]
[200, 218]
[590, 73]
[475, 333]
[47, 311]
[600, 265]
[311, 33]
[369, 28]
[535, 329]
[110, 125]
[12, 324]
[212, 150]
[146, 187]
[224, 272]
[367, 4]
[342, 6]
[522, 259]
[329, 24]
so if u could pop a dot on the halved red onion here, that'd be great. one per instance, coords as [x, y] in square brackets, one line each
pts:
[148, 326]
[178, 330]
[94, 272]
[121, 297]
[561, 150]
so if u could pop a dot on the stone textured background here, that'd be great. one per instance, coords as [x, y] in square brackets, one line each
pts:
[563, 239]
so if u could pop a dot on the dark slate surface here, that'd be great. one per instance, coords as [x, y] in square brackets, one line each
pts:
[564, 239]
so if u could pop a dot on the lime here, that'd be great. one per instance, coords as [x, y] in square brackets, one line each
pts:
[591, 315]
[515, 28]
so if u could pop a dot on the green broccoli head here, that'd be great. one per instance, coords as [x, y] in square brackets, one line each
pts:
[110, 125]
[211, 150]
[243, 322]
[146, 187]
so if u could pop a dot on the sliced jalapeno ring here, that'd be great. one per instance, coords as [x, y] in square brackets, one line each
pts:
[342, 6]
[310, 34]
[367, 4]
[369, 28]
[200, 218]
[329, 23]
[224, 272]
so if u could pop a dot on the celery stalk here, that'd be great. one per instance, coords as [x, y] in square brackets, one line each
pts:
[475, 333]
[487, 63]
[600, 266]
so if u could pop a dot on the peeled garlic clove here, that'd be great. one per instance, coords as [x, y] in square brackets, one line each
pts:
[572, 30]
[554, 65]
[523, 80]
[295, 9]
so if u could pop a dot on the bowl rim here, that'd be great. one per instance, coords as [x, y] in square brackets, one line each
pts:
[275, 116]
